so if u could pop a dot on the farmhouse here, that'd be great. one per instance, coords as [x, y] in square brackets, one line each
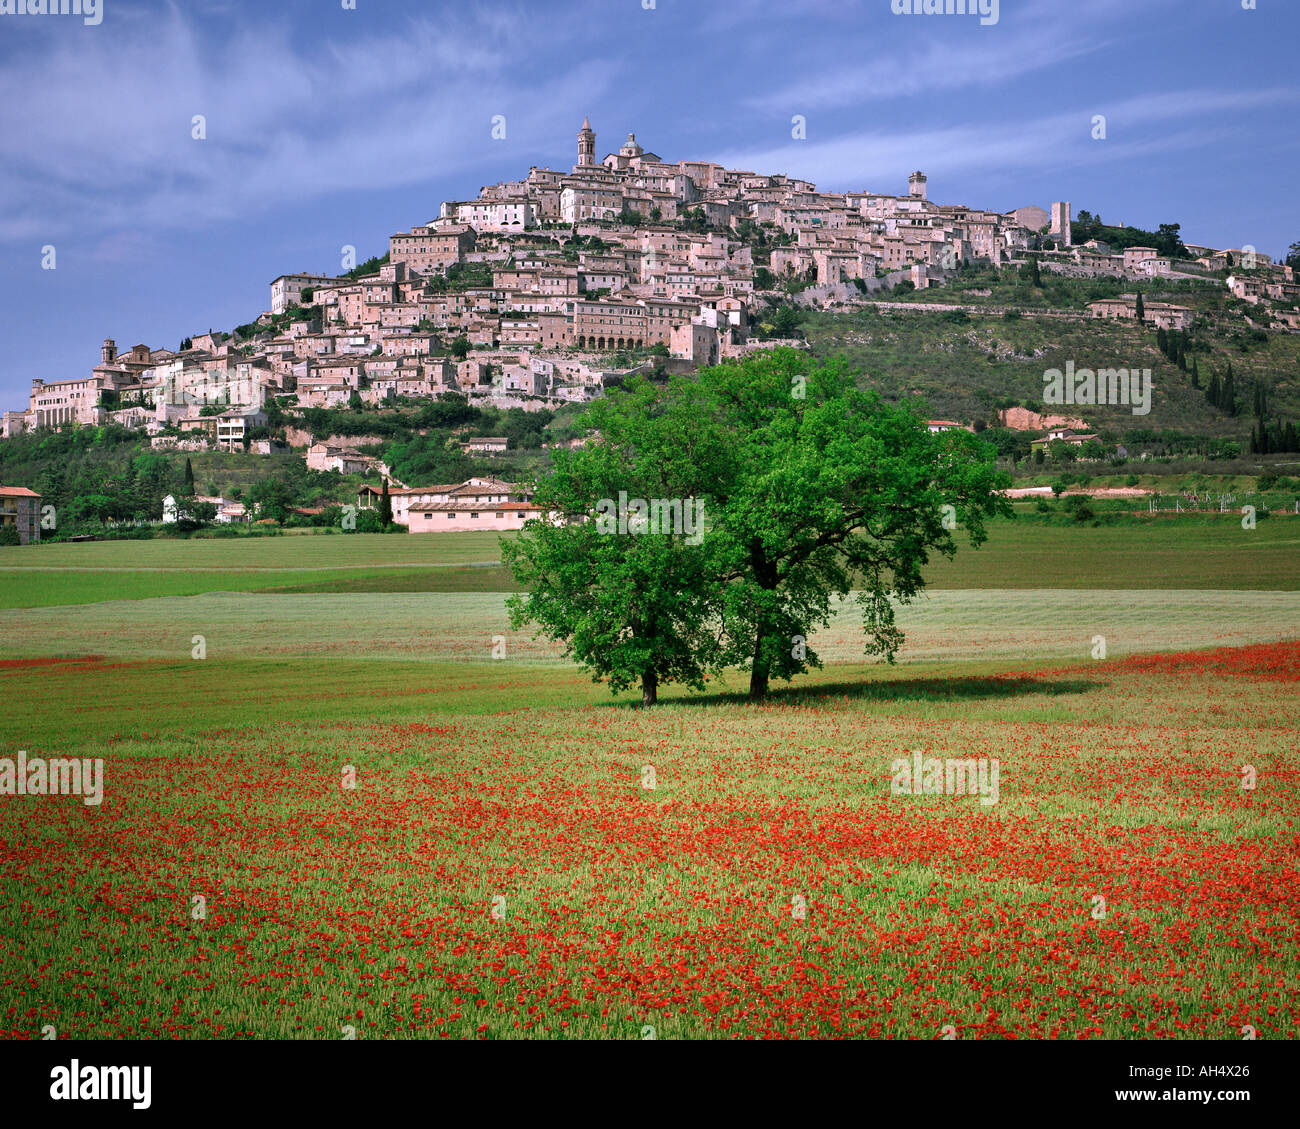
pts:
[20, 508]
[478, 503]
[1065, 435]
[494, 445]
[345, 460]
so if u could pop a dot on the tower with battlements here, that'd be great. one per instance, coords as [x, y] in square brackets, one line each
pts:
[1060, 230]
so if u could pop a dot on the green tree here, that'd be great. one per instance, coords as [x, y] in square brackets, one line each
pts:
[188, 488]
[832, 490]
[1141, 311]
[272, 498]
[1169, 242]
[460, 347]
[385, 506]
[812, 488]
[630, 607]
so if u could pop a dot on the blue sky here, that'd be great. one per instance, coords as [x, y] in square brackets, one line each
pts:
[329, 127]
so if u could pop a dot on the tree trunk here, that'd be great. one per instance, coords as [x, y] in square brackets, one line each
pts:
[766, 574]
[649, 688]
[759, 671]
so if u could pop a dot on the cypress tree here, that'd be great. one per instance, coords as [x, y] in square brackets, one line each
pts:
[189, 478]
[1196, 374]
[1212, 395]
[385, 507]
[1141, 307]
[1162, 339]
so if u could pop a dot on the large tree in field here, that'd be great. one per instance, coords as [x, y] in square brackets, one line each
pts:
[831, 491]
[634, 606]
[813, 489]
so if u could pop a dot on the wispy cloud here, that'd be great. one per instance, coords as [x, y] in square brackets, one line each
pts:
[934, 65]
[1137, 127]
[96, 132]
[937, 55]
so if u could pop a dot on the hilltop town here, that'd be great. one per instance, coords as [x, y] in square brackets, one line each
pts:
[531, 294]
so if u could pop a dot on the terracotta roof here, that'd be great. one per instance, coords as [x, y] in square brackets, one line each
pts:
[466, 507]
[479, 491]
[413, 490]
[17, 492]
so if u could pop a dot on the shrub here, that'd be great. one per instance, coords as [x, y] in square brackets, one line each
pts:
[9, 535]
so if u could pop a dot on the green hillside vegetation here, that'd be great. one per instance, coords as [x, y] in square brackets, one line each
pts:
[968, 365]
[101, 476]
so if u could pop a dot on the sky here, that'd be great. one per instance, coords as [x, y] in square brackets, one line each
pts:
[330, 124]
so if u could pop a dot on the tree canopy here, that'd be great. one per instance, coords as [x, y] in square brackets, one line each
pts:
[805, 489]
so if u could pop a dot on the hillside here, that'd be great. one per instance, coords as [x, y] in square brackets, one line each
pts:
[967, 363]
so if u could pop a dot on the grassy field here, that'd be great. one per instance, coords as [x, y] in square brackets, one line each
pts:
[1168, 553]
[461, 627]
[501, 869]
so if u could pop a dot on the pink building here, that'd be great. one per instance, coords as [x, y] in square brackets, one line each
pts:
[479, 503]
[20, 507]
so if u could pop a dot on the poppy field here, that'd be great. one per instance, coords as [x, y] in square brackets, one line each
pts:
[325, 847]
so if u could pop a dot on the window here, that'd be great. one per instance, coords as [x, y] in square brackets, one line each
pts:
[473, 515]
[500, 514]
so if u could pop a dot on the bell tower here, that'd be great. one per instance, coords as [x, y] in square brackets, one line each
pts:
[586, 143]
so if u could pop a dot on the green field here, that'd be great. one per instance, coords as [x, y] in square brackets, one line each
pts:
[1169, 553]
[519, 791]
[461, 626]
[502, 870]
